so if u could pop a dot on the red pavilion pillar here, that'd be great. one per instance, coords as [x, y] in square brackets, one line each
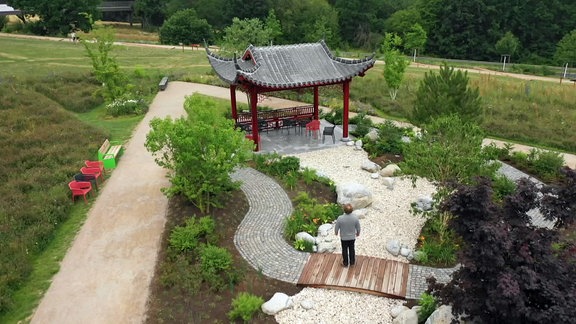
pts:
[254, 111]
[233, 102]
[345, 113]
[316, 102]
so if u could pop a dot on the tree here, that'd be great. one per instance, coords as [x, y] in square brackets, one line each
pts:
[507, 46]
[510, 270]
[449, 149]
[200, 152]
[243, 33]
[105, 67]
[307, 21]
[444, 94]
[273, 26]
[395, 63]
[59, 17]
[151, 12]
[415, 39]
[184, 27]
[566, 49]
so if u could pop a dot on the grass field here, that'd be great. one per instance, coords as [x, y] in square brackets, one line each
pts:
[46, 98]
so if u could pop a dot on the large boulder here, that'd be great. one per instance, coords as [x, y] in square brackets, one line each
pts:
[393, 246]
[278, 302]
[305, 237]
[370, 166]
[406, 317]
[390, 170]
[442, 315]
[355, 194]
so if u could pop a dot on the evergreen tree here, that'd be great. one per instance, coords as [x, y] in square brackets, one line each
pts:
[446, 93]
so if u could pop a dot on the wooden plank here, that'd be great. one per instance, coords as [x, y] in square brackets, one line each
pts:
[400, 283]
[360, 263]
[380, 275]
[397, 279]
[405, 274]
[388, 277]
[365, 279]
[308, 269]
[316, 274]
[329, 264]
[374, 276]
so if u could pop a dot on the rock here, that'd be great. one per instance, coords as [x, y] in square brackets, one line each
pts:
[360, 213]
[278, 302]
[406, 317]
[405, 139]
[358, 145]
[390, 170]
[372, 134]
[393, 246]
[326, 246]
[424, 203]
[306, 237]
[307, 304]
[389, 182]
[375, 175]
[324, 229]
[351, 143]
[405, 251]
[370, 166]
[442, 315]
[355, 194]
[395, 311]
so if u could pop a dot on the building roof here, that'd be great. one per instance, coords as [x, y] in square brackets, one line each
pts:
[7, 10]
[288, 66]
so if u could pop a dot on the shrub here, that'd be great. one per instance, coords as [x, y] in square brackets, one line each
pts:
[215, 264]
[276, 165]
[303, 245]
[546, 164]
[245, 306]
[125, 106]
[389, 140]
[505, 257]
[308, 215]
[448, 150]
[427, 305]
[188, 237]
[502, 186]
[185, 27]
[363, 124]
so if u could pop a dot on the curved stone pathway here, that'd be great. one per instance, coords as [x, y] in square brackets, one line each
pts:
[259, 238]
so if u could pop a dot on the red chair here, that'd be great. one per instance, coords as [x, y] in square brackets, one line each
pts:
[313, 127]
[80, 188]
[92, 171]
[95, 164]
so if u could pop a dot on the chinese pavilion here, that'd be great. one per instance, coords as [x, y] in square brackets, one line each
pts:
[264, 69]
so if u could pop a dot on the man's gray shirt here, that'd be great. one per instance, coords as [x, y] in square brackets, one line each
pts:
[348, 225]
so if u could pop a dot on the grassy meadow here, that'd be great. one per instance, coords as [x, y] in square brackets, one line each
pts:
[50, 123]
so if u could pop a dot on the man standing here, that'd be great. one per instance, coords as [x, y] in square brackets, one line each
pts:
[349, 227]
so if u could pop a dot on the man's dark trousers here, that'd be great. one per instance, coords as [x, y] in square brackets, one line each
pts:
[348, 251]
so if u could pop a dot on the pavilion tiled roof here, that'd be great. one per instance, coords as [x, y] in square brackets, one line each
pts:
[288, 66]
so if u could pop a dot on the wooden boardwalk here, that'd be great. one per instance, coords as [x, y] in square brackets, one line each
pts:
[370, 275]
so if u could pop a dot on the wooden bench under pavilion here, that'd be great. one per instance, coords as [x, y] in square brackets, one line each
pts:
[286, 67]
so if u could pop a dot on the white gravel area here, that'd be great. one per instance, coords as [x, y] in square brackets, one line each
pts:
[388, 217]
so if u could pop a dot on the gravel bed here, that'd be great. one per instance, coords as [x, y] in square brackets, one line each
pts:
[388, 217]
